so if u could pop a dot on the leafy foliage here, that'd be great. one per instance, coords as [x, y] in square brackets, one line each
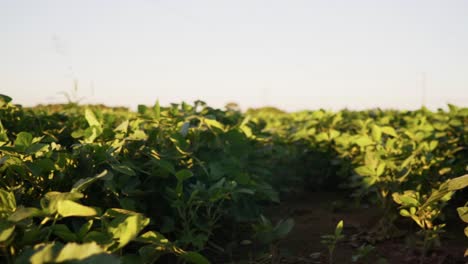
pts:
[164, 182]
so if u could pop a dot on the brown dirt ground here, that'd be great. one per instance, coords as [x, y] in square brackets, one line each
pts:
[316, 214]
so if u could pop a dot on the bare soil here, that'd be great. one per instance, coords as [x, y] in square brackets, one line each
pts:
[317, 213]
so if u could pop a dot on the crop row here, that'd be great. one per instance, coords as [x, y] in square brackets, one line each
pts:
[175, 182]
[406, 162]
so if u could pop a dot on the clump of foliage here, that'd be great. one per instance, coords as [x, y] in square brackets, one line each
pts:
[163, 183]
[173, 172]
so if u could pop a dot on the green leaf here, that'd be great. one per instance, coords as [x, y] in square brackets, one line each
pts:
[98, 237]
[24, 213]
[333, 133]
[405, 213]
[150, 253]
[166, 165]
[3, 132]
[268, 191]
[43, 253]
[7, 202]
[376, 133]
[88, 252]
[389, 131]
[67, 208]
[33, 235]
[364, 171]
[23, 141]
[142, 109]
[64, 233]
[85, 229]
[128, 203]
[458, 183]
[433, 144]
[124, 228]
[339, 228]
[50, 200]
[78, 133]
[6, 231]
[116, 212]
[283, 228]
[185, 129]
[322, 137]
[157, 110]
[124, 169]
[123, 127]
[371, 160]
[91, 118]
[463, 213]
[153, 238]
[42, 166]
[91, 133]
[213, 124]
[183, 175]
[193, 257]
[364, 141]
[380, 169]
[409, 201]
[82, 184]
[445, 170]
[138, 135]
[36, 147]
[4, 100]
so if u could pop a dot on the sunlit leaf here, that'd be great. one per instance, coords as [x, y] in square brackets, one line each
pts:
[67, 208]
[376, 133]
[7, 202]
[6, 231]
[458, 183]
[82, 184]
[339, 228]
[124, 228]
[389, 131]
[91, 118]
[463, 213]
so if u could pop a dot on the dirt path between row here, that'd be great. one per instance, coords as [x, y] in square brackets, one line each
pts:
[316, 214]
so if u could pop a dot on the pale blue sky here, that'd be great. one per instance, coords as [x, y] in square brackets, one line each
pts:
[290, 54]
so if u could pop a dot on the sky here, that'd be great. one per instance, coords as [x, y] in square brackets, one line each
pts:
[291, 54]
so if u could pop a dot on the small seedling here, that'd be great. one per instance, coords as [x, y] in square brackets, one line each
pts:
[363, 252]
[269, 234]
[332, 240]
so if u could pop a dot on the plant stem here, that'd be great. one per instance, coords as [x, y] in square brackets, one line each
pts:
[52, 227]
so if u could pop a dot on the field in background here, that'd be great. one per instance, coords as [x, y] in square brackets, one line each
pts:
[195, 184]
